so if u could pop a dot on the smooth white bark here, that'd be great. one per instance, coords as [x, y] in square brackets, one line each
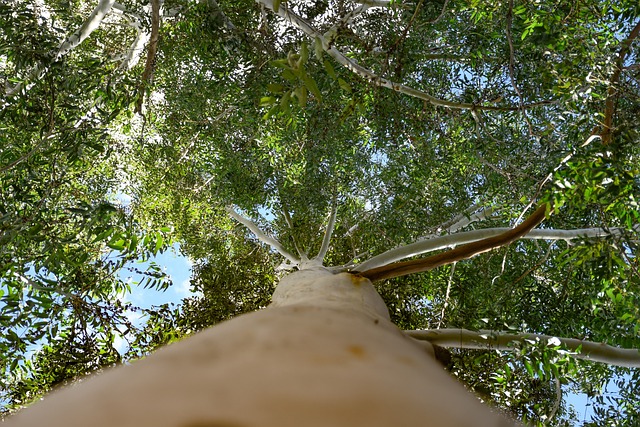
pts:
[470, 219]
[262, 236]
[344, 21]
[326, 240]
[92, 23]
[452, 240]
[132, 56]
[324, 354]
[493, 340]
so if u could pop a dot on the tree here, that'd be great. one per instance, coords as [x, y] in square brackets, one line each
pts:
[412, 123]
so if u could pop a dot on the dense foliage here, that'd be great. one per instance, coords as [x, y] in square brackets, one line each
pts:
[428, 113]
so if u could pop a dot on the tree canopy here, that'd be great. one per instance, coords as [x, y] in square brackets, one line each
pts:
[129, 126]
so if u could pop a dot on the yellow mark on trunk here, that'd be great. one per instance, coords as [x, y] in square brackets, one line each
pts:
[358, 280]
[357, 351]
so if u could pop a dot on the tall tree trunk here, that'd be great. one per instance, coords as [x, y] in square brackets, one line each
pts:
[323, 354]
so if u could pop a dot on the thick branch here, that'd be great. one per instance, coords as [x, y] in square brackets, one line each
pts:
[345, 20]
[492, 340]
[262, 236]
[372, 77]
[132, 56]
[326, 240]
[147, 75]
[462, 252]
[92, 23]
[452, 240]
[615, 77]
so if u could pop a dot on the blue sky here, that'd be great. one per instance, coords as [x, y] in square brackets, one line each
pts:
[177, 266]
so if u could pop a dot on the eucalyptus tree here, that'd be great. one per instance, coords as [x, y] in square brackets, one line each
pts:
[422, 126]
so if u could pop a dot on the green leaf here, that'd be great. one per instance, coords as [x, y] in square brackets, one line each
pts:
[285, 103]
[329, 68]
[117, 245]
[159, 242]
[344, 85]
[301, 94]
[311, 85]
[304, 54]
[275, 88]
[267, 100]
[318, 50]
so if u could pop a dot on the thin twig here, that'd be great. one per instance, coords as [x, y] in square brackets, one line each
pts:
[556, 404]
[442, 12]
[535, 267]
[446, 297]
[512, 74]
[287, 219]
[28, 155]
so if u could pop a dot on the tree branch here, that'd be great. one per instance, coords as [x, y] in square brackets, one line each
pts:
[462, 221]
[215, 7]
[132, 56]
[512, 63]
[287, 219]
[611, 91]
[462, 252]
[147, 74]
[345, 20]
[446, 296]
[373, 78]
[492, 340]
[28, 155]
[93, 22]
[374, 3]
[453, 240]
[262, 236]
[326, 240]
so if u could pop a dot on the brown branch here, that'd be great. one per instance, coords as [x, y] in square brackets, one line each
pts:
[463, 252]
[612, 93]
[147, 74]
[406, 29]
